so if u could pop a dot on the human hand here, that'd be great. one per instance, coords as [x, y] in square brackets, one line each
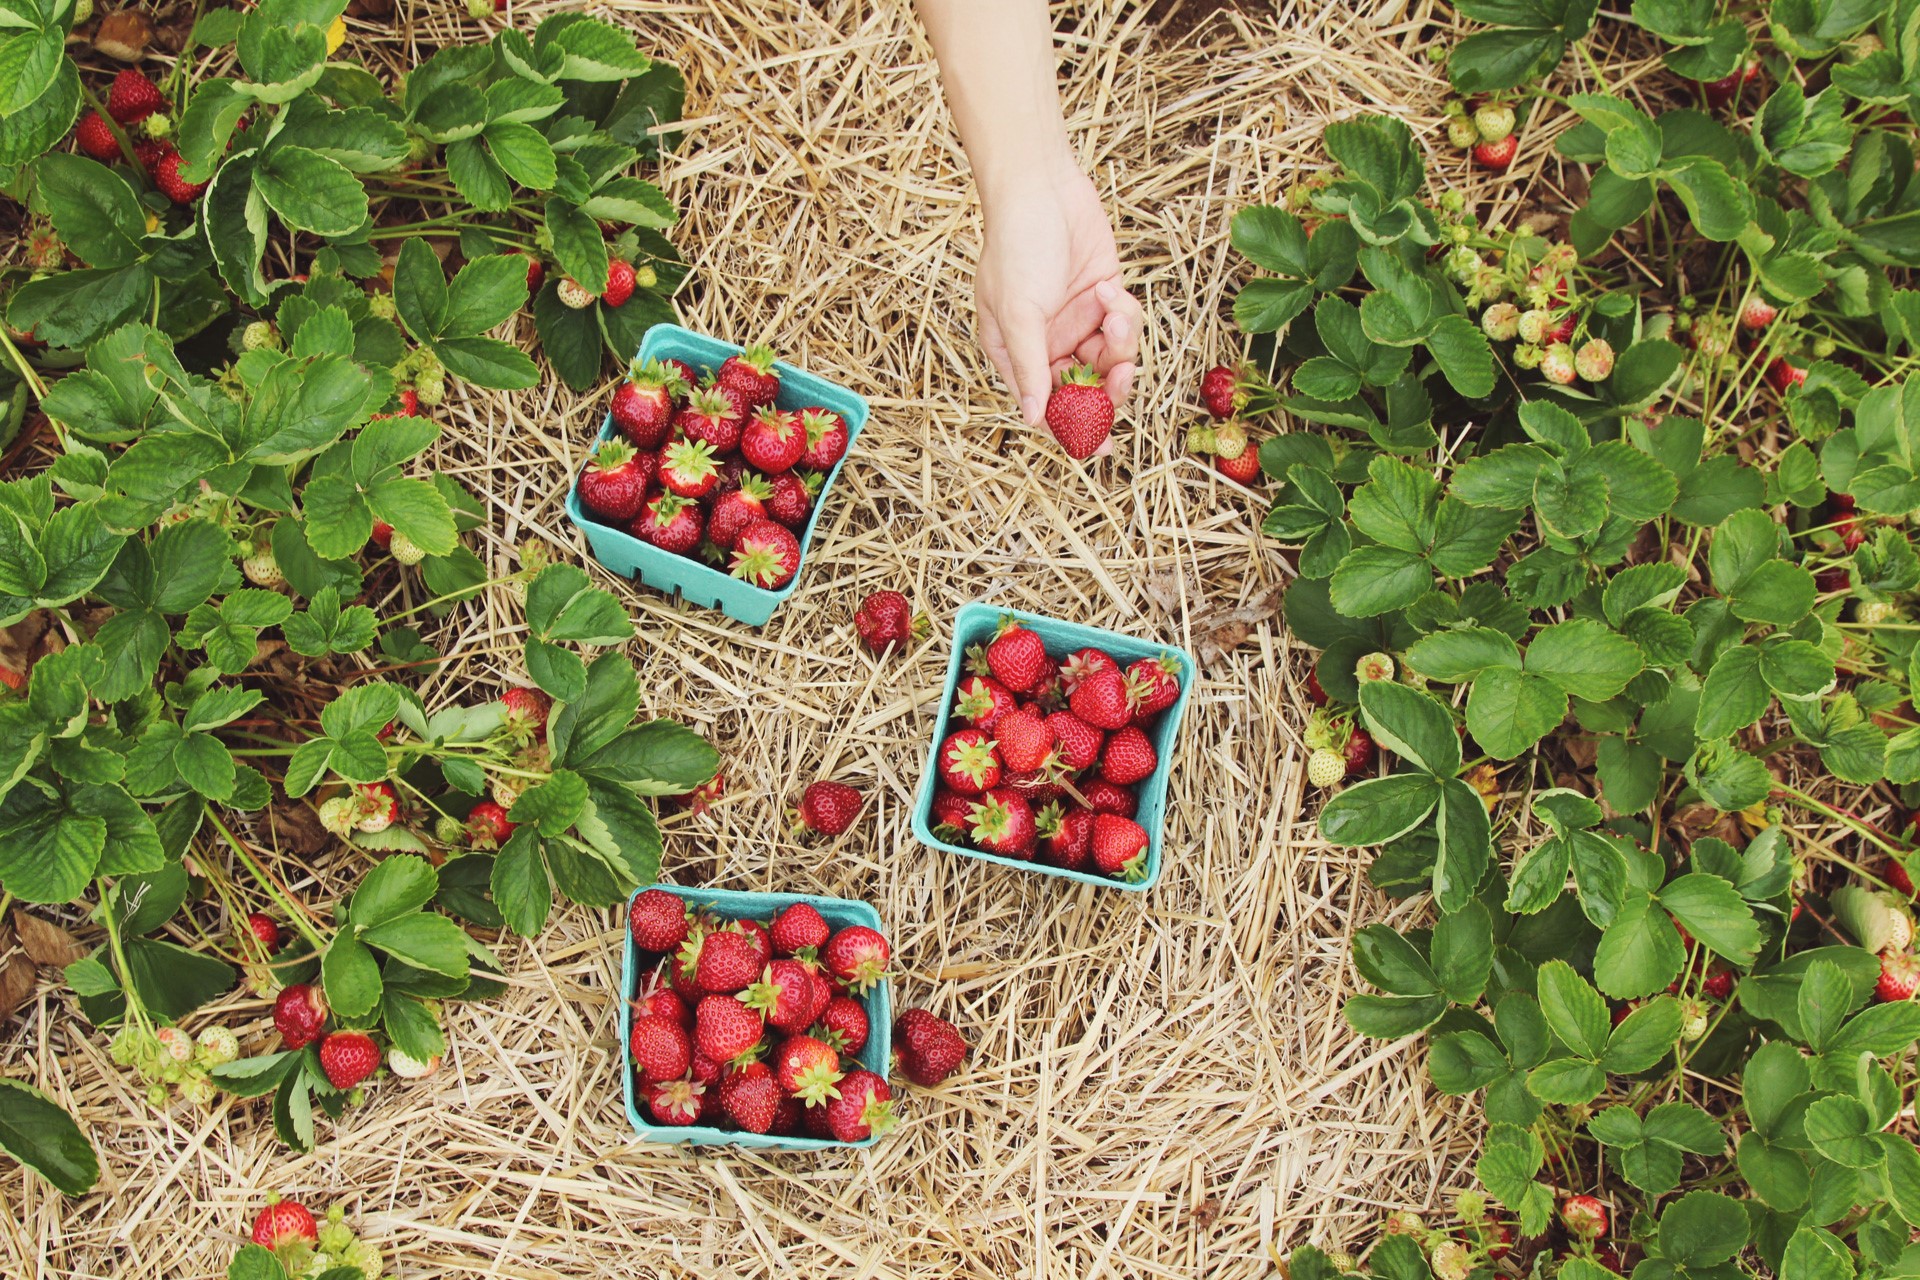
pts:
[1048, 288]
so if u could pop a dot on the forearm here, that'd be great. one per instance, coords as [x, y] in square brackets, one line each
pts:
[997, 65]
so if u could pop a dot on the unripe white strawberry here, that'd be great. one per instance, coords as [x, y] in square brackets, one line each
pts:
[410, 1068]
[1693, 1019]
[364, 1257]
[1451, 1261]
[574, 294]
[1326, 767]
[1494, 121]
[1501, 321]
[505, 789]
[1229, 439]
[405, 549]
[1557, 363]
[339, 814]
[1534, 325]
[257, 335]
[1342, 1261]
[1462, 133]
[1373, 666]
[175, 1043]
[1405, 1222]
[197, 1089]
[262, 569]
[1874, 612]
[375, 807]
[1463, 263]
[218, 1045]
[1900, 930]
[1594, 360]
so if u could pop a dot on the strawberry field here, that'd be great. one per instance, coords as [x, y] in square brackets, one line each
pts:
[1436, 802]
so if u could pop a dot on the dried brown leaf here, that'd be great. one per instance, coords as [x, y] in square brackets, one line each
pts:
[124, 36]
[47, 943]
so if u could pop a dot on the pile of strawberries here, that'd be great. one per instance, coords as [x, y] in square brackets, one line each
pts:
[708, 466]
[138, 107]
[755, 1026]
[1051, 752]
[1231, 394]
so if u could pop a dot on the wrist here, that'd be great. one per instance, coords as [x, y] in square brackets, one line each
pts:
[1043, 165]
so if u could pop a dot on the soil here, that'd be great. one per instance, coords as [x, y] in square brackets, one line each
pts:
[1179, 19]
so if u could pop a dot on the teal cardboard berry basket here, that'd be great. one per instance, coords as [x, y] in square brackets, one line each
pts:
[975, 624]
[876, 1055]
[696, 581]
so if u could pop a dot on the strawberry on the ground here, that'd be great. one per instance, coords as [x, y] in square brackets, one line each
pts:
[96, 138]
[265, 929]
[1106, 797]
[766, 554]
[807, 1068]
[724, 1027]
[1244, 469]
[1497, 156]
[488, 826]
[619, 283]
[969, 762]
[657, 920]
[826, 808]
[826, 438]
[773, 439]
[1119, 846]
[863, 1109]
[1100, 699]
[614, 484]
[1025, 740]
[791, 501]
[798, 928]
[710, 418]
[1899, 977]
[1077, 743]
[1584, 1217]
[299, 1015]
[885, 618]
[728, 962]
[1128, 757]
[133, 97]
[843, 1024]
[857, 956]
[752, 373]
[1080, 413]
[527, 711]
[643, 404]
[981, 701]
[1017, 656]
[348, 1057]
[783, 995]
[677, 1102]
[660, 1048]
[930, 1048]
[1003, 823]
[282, 1223]
[750, 1096]
[670, 522]
[1065, 836]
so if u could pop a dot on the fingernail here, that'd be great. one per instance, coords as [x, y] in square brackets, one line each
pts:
[1106, 291]
[1030, 409]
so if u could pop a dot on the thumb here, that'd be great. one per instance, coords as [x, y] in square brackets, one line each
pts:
[1032, 371]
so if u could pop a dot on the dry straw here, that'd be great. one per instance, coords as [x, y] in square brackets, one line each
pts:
[1159, 1087]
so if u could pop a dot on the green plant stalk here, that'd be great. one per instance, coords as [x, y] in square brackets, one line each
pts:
[119, 953]
[296, 912]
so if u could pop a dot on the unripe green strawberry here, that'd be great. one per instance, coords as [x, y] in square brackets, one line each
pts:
[405, 549]
[448, 829]
[82, 11]
[1594, 360]
[1374, 666]
[574, 294]
[1534, 326]
[380, 305]
[258, 335]
[197, 1089]
[339, 815]
[218, 1045]
[261, 568]
[645, 277]
[1501, 321]
[431, 388]
[1557, 363]
[478, 9]
[1463, 133]
[1463, 263]
[1693, 1019]
[1494, 121]
[426, 364]
[1527, 356]
[505, 790]
[157, 125]
[1326, 767]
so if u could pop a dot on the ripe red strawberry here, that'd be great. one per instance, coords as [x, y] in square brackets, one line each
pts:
[1106, 797]
[766, 554]
[807, 1068]
[1080, 664]
[613, 486]
[1003, 823]
[826, 439]
[1899, 977]
[527, 711]
[96, 138]
[783, 995]
[643, 404]
[536, 272]
[382, 533]
[724, 1027]
[728, 962]
[1066, 836]
[677, 1102]
[660, 1048]
[1153, 685]
[133, 98]
[1758, 313]
[1100, 699]
[662, 1001]
[951, 815]
[284, 1222]
[752, 373]
[1119, 846]
[1128, 758]
[709, 418]
[843, 1024]
[1718, 984]
[791, 501]
[166, 176]
[1895, 874]
[1038, 787]
[750, 1096]
[669, 522]
[488, 826]
[1017, 657]
[969, 762]
[773, 439]
[789, 1117]
[707, 1071]
[657, 920]
[734, 511]
[1077, 742]
[689, 376]
[885, 618]
[688, 469]
[863, 1109]
[827, 808]
[1080, 413]
[798, 928]
[1497, 155]
[1025, 740]
[857, 956]
[1221, 391]
[265, 930]
[981, 701]
[1783, 374]
[149, 152]
[348, 1057]
[619, 283]
[1584, 1217]
[299, 1015]
[930, 1049]
[1359, 751]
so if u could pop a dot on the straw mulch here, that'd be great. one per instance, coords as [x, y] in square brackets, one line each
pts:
[1161, 1085]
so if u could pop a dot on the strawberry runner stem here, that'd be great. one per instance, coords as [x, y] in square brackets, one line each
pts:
[296, 911]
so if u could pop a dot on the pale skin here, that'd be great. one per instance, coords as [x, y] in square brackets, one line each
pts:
[1048, 287]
